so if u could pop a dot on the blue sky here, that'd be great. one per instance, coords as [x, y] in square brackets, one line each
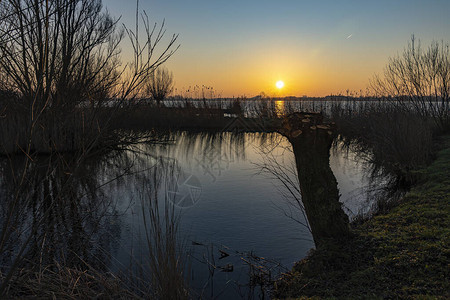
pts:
[316, 47]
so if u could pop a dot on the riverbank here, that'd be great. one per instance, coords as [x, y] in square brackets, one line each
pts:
[399, 254]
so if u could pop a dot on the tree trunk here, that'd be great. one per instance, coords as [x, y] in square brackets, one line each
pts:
[311, 141]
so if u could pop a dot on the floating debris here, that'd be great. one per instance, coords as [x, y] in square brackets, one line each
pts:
[223, 254]
[227, 268]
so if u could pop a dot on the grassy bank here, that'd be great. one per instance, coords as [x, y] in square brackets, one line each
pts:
[403, 253]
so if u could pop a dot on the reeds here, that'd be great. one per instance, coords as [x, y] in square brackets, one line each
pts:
[397, 141]
[165, 258]
[56, 239]
[60, 282]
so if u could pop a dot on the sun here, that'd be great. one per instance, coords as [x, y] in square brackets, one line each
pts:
[279, 84]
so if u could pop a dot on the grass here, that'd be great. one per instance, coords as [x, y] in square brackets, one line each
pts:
[404, 253]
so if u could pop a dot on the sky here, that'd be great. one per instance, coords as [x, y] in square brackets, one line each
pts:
[318, 48]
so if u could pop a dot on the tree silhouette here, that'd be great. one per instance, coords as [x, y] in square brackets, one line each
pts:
[419, 81]
[160, 84]
[62, 59]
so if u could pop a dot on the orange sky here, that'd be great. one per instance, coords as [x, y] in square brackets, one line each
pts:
[318, 48]
[254, 69]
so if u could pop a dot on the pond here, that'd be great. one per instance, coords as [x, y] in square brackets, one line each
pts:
[228, 204]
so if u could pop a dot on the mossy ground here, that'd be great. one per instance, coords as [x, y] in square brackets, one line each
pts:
[404, 253]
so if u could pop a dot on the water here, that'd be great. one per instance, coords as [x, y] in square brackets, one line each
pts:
[254, 107]
[229, 200]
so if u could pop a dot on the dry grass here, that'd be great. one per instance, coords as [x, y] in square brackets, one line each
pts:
[60, 282]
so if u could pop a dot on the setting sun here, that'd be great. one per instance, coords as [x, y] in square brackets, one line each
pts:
[280, 84]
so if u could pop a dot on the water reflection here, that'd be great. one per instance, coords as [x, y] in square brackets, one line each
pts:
[280, 107]
[100, 213]
[58, 214]
[318, 186]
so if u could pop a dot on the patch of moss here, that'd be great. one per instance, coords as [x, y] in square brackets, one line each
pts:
[404, 253]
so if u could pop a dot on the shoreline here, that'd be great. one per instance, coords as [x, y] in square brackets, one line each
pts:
[403, 253]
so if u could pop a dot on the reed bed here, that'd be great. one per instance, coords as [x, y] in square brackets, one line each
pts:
[399, 142]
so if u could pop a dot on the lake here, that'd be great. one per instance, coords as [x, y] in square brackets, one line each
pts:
[233, 201]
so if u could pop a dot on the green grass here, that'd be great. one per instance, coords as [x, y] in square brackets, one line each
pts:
[404, 253]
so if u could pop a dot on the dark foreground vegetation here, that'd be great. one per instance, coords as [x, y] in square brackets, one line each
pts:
[399, 254]
[65, 93]
[62, 77]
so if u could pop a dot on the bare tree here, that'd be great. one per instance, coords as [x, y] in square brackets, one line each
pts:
[160, 84]
[419, 81]
[55, 56]
[58, 55]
